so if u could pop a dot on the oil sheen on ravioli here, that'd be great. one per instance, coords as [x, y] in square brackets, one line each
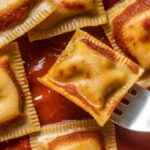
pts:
[92, 75]
[9, 94]
[132, 32]
[77, 141]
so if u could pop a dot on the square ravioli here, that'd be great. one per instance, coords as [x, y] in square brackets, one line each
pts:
[92, 75]
[66, 9]
[10, 93]
[17, 113]
[19, 16]
[129, 23]
[69, 15]
[75, 135]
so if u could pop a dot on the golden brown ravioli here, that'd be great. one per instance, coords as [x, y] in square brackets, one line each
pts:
[11, 97]
[78, 141]
[66, 9]
[92, 75]
[131, 30]
[68, 16]
[13, 11]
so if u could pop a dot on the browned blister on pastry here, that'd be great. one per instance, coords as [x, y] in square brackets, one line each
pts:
[19, 16]
[75, 135]
[69, 15]
[92, 75]
[11, 96]
[129, 24]
[17, 113]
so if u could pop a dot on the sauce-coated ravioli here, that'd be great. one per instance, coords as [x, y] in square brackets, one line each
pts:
[66, 9]
[131, 30]
[77, 141]
[10, 94]
[92, 75]
[13, 11]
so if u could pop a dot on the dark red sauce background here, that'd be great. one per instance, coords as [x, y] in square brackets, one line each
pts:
[52, 107]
